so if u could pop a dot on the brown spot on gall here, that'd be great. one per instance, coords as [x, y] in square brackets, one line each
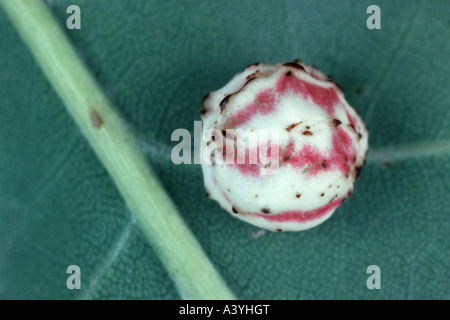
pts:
[253, 65]
[278, 230]
[295, 65]
[338, 86]
[234, 210]
[324, 164]
[251, 76]
[96, 119]
[307, 133]
[357, 171]
[286, 158]
[336, 122]
[352, 126]
[224, 102]
[288, 73]
[292, 126]
[298, 195]
[322, 194]
[265, 210]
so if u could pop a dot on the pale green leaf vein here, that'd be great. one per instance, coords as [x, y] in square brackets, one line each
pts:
[111, 256]
[407, 151]
[405, 33]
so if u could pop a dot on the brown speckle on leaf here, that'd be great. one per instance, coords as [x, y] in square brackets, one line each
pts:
[322, 194]
[265, 210]
[234, 210]
[96, 119]
[307, 133]
[298, 195]
[358, 90]
[278, 230]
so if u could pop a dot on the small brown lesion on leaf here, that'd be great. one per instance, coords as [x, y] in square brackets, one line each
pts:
[96, 119]
[307, 133]
[265, 210]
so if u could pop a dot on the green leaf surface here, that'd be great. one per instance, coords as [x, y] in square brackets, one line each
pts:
[156, 60]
